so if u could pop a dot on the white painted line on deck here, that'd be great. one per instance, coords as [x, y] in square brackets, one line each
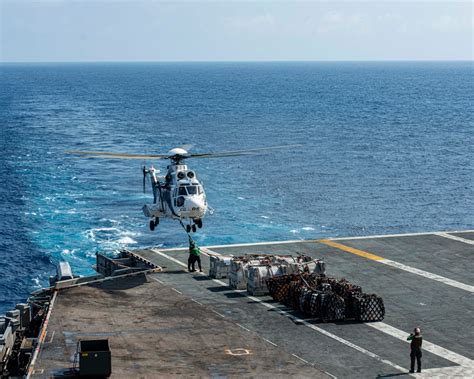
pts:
[331, 375]
[220, 314]
[446, 373]
[401, 266]
[429, 275]
[296, 319]
[243, 327]
[427, 346]
[301, 359]
[455, 238]
[270, 342]
[52, 337]
[197, 302]
[385, 328]
[169, 257]
[397, 235]
[174, 289]
[269, 243]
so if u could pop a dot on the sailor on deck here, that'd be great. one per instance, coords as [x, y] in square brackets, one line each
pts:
[194, 256]
[415, 346]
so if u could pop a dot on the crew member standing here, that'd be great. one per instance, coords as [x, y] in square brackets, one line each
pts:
[415, 346]
[194, 256]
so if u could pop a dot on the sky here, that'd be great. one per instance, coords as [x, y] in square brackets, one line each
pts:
[151, 30]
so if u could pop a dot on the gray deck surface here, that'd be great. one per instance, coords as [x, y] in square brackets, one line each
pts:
[467, 235]
[154, 331]
[445, 312]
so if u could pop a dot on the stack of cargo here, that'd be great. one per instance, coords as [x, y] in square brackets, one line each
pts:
[219, 267]
[325, 298]
[251, 272]
[257, 278]
[238, 271]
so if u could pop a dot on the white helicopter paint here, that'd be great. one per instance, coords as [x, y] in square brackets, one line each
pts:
[179, 194]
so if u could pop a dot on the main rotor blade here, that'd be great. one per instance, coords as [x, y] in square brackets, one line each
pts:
[187, 146]
[106, 154]
[240, 152]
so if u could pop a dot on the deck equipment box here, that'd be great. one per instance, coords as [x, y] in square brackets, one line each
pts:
[95, 358]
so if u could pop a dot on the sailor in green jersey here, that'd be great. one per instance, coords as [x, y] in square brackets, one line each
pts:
[194, 256]
[416, 341]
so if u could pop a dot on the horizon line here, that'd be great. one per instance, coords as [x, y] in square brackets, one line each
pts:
[245, 61]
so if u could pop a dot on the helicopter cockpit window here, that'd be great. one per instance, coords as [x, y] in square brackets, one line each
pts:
[192, 190]
[199, 190]
[182, 191]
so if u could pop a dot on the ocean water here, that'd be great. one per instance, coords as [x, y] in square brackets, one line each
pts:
[387, 148]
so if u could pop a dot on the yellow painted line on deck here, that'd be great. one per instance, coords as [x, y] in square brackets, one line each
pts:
[352, 250]
[400, 266]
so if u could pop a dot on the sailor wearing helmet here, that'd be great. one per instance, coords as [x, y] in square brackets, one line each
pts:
[415, 346]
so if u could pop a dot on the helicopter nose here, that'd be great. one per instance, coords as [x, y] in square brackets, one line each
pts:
[193, 204]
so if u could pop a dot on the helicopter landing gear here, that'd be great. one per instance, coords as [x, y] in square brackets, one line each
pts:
[154, 223]
[192, 227]
[199, 223]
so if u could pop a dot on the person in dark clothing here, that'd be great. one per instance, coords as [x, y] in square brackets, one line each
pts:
[194, 256]
[415, 349]
[191, 261]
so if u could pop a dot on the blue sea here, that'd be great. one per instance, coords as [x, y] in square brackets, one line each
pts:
[387, 148]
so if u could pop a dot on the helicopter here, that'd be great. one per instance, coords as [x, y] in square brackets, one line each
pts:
[179, 194]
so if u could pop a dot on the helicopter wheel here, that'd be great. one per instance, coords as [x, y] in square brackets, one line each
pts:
[152, 225]
[199, 223]
[157, 221]
[188, 228]
[194, 228]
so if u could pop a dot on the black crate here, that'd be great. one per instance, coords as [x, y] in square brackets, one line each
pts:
[95, 358]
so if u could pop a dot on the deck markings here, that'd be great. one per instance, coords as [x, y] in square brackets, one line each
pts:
[466, 365]
[398, 235]
[270, 342]
[314, 240]
[197, 302]
[455, 238]
[427, 346]
[52, 337]
[301, 359]
[401, 266]
[243, 327]
[42, 336]
[446, 372]
[174, 289]
[243, 245]
[296, 319]
[217, 313]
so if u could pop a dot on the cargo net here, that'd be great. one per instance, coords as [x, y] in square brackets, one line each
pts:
[324, 298]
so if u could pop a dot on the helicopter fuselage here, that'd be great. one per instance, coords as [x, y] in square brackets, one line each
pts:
[177, 195]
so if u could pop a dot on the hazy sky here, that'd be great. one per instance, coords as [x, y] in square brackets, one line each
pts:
[147, 30]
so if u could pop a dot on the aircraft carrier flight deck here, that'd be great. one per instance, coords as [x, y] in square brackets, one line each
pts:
[166, 321]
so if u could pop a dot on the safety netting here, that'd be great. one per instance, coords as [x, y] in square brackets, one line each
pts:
[325, 298]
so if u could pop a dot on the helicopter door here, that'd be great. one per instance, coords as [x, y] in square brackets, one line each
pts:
[179, 196]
